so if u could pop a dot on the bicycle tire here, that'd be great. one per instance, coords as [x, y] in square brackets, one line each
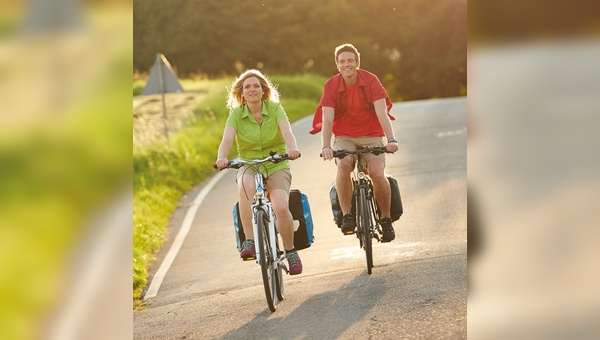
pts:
[365, 225]
[266, 260]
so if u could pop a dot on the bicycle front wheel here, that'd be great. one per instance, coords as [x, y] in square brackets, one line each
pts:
[266, 259]
[365, 227]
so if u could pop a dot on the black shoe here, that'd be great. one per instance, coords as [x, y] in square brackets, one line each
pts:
[388, 230]
[348, 224]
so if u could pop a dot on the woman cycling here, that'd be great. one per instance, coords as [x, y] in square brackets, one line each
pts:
[259, 125]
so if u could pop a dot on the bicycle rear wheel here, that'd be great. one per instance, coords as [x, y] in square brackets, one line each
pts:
[365, 227]
[266, 259]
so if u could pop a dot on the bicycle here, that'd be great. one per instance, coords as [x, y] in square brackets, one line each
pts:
[366, 212]
[269, 254]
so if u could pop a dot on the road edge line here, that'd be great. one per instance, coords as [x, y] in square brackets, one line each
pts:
[180, 238]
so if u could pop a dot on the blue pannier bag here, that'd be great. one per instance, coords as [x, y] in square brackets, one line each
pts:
[303, 223]
[300, 209]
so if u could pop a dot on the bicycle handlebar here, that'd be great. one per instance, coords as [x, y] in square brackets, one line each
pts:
[376, 150]
[237, 163]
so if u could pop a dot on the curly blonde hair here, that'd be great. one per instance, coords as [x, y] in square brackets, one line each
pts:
[235, 97]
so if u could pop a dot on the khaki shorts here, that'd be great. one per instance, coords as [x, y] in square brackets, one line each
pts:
[280, 179]
[350, 144]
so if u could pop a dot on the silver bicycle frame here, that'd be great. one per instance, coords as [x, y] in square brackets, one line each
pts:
[261, 202]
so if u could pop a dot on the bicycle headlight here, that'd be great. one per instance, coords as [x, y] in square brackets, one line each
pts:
[259, 194]
[361, 175]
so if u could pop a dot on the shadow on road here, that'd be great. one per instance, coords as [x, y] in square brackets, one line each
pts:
[325, 315]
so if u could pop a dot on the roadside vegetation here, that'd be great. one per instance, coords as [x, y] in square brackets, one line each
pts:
[164, 171]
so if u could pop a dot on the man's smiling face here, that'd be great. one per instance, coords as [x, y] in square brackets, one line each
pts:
[347, 64]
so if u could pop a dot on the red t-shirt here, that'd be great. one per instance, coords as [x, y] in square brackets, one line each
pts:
[353, 106]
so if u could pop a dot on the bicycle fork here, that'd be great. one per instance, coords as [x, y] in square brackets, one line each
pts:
[372, 232]
[272, 237]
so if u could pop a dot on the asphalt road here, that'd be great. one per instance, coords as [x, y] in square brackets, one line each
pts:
[418, 288]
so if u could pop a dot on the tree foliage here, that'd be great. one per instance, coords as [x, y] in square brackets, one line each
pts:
[416, 47]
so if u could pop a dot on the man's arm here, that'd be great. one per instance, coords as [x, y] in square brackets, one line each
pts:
[386, 124]
[327, 131]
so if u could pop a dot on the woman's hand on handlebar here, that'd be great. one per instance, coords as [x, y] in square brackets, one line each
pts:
[222, 163]
[293, 154]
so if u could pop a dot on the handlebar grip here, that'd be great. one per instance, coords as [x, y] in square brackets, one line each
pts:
[283, 157]
[229, 165]
[337, 154]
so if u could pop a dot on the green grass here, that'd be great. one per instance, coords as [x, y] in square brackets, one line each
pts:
[164, 172]
[299, 94]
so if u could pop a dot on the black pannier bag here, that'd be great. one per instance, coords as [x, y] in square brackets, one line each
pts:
[303, 223]
[396, 209]
[335, 206]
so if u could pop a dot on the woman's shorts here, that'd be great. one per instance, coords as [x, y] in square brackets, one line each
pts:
[280, 179]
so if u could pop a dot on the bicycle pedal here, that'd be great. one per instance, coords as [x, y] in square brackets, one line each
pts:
[249, 258]
[284, 267]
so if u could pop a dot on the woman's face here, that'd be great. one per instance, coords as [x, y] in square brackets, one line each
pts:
[252, 90]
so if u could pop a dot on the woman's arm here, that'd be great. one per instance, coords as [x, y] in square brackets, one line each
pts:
[226, 143]
[290, 139]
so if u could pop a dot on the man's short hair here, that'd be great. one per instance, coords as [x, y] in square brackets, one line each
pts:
[346, 48]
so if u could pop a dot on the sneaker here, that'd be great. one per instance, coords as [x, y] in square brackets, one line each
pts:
[294, 263]
[388, 230]
[248, 250]
[348, 224]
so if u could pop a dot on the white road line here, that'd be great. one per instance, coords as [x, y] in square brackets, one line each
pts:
[452, 133]
[397, 250]
[180, 238]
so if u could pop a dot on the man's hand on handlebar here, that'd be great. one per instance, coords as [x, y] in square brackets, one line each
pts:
[327, 153]
[391, 147]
